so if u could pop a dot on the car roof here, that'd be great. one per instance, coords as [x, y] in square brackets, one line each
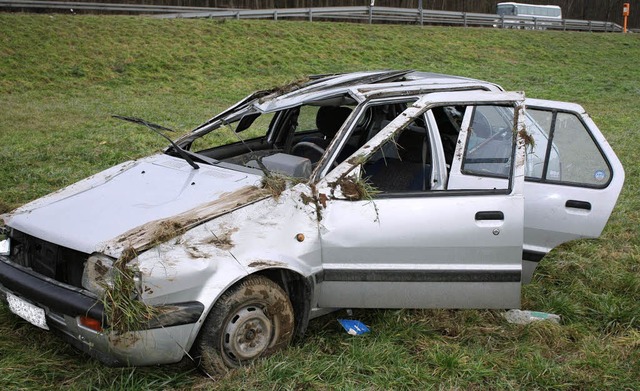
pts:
[360, 86]
[366, 85]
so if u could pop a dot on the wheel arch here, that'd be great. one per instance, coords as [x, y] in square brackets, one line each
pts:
[299, 289]
[236, 344]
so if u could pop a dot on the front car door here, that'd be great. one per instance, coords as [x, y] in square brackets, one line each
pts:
[426, 245]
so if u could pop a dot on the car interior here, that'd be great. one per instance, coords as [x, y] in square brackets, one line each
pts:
[294, 140]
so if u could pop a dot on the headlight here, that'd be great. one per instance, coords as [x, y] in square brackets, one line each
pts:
[5, 246]
[98, 274]
[5, 241]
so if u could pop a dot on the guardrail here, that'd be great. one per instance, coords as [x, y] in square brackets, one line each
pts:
[107, 7]
[362, 14]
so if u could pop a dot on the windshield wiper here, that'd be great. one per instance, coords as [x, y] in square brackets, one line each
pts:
[157, 129]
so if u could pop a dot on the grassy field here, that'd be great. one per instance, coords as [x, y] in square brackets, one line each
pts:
[62, 77]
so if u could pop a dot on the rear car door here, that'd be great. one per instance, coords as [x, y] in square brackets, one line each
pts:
[573, 178]
[424, 246]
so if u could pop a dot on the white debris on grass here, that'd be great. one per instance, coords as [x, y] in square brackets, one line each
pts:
[526, 317]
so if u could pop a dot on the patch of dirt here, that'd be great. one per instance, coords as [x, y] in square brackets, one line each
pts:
[166, 230]
[350, 189]
[263, 264]
[194, 252]
[96, 271]
[306, 199]
[150, 234]
[527, 137]
[354, 189]
[124, 340]
[292, 86]
[223, 240]
[100, 269]
[322, 198]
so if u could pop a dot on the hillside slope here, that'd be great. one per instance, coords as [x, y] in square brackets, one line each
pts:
[61, 78]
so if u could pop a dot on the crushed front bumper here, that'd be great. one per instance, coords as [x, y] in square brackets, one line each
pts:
[163, 340]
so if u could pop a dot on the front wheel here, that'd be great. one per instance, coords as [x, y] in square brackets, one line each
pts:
[252, 319]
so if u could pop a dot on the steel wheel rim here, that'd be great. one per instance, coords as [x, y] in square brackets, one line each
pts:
[246, 335]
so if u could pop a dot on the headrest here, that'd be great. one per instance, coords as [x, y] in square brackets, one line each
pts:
[329, 119]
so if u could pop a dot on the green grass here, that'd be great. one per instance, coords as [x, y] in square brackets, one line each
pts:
[62, 77]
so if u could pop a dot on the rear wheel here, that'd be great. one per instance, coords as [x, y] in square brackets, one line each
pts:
[251, 320]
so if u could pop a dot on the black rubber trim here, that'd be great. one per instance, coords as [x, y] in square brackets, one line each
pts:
[578, 204]
[420, 275]
[490, 215]
[533, 256]
[57, 297]
[487, 160]
[176, 314]
[439, 193]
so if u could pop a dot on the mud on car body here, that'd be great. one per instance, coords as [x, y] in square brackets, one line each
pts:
[390, 189]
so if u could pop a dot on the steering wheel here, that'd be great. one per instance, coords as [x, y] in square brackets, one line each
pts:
[498, 135]
[308, 145]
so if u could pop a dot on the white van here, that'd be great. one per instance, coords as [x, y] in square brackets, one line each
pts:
[528, 15]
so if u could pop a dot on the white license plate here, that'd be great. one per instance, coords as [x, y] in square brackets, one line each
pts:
[27, 311]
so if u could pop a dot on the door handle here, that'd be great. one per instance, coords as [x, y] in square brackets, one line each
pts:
[490, 215]
[578, 204]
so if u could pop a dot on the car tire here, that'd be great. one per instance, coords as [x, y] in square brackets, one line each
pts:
[252, 319]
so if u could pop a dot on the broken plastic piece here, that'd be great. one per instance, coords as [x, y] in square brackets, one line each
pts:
[526, 317]
[353, 327]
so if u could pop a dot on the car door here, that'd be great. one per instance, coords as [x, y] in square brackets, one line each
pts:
[573, 179]
[423, 248]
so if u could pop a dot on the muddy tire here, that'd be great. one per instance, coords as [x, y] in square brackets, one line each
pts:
[251, 320]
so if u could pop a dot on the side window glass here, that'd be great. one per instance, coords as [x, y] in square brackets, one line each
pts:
[579, 159]
[563, 150]
[538, 125]
[489, 144]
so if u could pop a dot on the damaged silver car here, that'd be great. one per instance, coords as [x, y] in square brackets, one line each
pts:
[389, 189]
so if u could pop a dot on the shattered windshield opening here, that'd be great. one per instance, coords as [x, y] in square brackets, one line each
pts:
[241, 130]
[257, 139]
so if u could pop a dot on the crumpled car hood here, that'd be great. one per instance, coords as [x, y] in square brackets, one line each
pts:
[89, 213]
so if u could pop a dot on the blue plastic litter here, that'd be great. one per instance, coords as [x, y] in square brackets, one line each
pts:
[353, 327]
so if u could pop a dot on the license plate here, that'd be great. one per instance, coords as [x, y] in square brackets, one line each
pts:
[27, 311]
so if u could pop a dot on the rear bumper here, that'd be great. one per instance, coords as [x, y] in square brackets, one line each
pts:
[163, 340]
